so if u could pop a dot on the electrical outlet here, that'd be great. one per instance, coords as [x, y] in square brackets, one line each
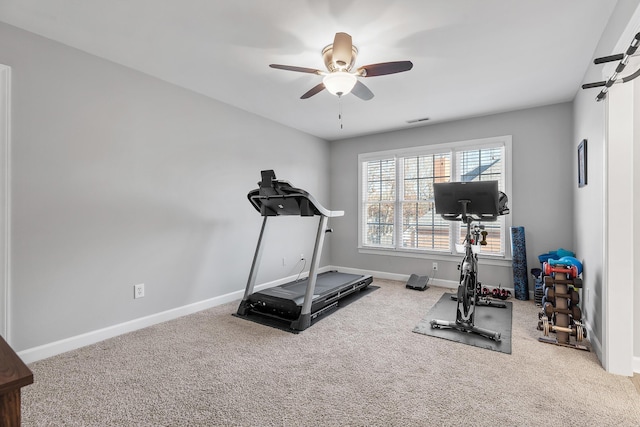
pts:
[138, 290]
[435, 266]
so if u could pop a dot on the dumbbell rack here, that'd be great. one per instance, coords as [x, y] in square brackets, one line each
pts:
[560, 311]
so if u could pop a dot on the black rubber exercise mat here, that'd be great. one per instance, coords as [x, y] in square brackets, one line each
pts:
[492, 318]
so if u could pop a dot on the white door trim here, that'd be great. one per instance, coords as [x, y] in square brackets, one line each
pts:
[618, 244]
[5, 211]
[618, 254]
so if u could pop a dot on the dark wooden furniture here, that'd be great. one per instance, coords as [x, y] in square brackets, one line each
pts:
[14, 375]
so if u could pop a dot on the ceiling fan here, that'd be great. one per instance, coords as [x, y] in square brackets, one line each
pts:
[339, 80]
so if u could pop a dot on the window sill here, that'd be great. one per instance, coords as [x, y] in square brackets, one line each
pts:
[501, 261]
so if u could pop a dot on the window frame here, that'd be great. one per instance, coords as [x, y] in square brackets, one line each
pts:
[453, 147]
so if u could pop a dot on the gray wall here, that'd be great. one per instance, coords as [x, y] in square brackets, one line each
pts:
[542, 186]
[589, 216]
[119, 178]
[589, 222]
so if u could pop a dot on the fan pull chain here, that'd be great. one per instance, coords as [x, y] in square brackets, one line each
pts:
[340, 111]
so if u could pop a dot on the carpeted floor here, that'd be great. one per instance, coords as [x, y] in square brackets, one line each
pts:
[361, 366]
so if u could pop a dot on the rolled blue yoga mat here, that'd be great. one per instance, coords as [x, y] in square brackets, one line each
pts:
[519, 254]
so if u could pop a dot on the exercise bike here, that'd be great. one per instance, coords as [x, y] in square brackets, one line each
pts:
[469, 202]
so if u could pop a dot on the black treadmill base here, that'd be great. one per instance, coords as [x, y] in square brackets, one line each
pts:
[285, 325]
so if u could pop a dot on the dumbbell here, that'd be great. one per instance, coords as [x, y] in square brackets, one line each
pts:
[568, 269]
[484, 233]
[549, 310]
[576, 330]
[542, 314]
[572, 295]
[576, 313]
[550, 281]
[575, 296]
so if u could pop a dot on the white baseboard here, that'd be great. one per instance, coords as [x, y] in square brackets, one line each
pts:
[596, 346]
[48, 350]
[441, 283]
[394, 276]
[62, 346]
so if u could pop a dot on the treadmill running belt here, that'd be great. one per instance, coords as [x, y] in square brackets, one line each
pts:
[326, 283]
[284, 302]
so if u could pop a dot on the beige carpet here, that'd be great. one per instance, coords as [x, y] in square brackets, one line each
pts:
[360, 366]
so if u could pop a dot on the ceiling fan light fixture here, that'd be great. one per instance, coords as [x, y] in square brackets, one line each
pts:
[339, 59]
[339, 82]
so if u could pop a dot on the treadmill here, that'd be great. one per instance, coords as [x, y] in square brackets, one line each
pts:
[294, 306]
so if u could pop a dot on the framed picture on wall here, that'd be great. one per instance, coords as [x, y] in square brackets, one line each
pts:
[582, 163]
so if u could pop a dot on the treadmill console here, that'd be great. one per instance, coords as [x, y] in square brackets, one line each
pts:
[274, 197]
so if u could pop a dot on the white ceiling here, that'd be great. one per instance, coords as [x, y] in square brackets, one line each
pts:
[470, 57]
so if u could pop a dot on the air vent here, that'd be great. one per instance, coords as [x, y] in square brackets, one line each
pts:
[424, 119]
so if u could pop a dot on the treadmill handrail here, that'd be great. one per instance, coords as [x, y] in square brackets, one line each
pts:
[257, 200]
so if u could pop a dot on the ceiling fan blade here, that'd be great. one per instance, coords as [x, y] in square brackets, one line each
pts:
[314, 90]
[342, 50]
[362, 91]
[297, 69]
[384, 68]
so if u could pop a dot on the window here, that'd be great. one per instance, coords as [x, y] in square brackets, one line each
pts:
[381, 198]
[421, 227]
[397, 210]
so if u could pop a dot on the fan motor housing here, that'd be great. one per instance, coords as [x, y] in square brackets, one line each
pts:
[327, 56]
